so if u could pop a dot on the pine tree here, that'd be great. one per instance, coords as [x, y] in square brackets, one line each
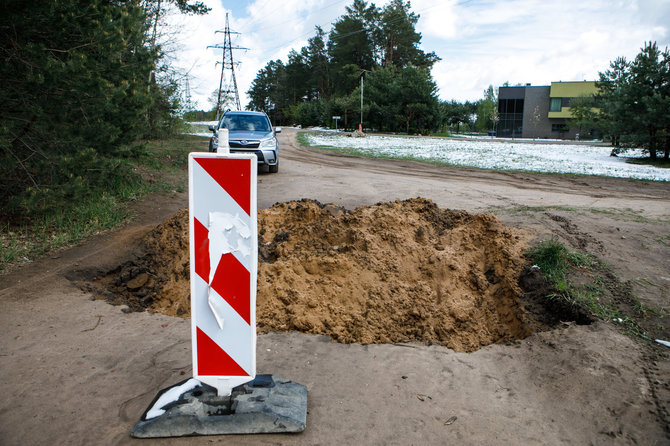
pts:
[398, 39]
[323, 78]
[634, 101]
[75, 92]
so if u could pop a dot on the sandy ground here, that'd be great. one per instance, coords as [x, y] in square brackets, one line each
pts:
[81, 371]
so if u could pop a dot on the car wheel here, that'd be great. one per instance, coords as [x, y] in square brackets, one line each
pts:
[274, 169]
[211, 145]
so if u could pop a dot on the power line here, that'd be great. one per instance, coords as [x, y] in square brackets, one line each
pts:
[227, 63]
[256, 21]
[399, 19]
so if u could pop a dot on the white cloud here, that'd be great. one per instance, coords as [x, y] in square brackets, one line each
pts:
[537, 41]
[437, 19]
[480, 42]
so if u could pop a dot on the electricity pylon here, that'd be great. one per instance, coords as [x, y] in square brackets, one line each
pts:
[227, 64]
[188, 103]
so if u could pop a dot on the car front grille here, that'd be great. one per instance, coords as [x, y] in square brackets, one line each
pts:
[258, 153]
[244, 144]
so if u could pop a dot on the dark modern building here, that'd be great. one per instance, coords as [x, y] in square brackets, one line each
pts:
[539, 111]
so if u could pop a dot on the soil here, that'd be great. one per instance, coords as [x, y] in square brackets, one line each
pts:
[159, 279]
[391, 272]
[77, 370]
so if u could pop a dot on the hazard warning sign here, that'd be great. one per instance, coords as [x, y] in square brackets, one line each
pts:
[224, 258]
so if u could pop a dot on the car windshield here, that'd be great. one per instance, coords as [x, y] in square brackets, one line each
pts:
[248, 123]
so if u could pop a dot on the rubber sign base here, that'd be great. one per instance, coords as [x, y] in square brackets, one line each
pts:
[268, 404]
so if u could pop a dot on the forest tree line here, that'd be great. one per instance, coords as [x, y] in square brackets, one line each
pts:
[632, 105]
[379, 46]
[82, 82]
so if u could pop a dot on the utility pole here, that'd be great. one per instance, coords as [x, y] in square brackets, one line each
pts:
[360, 126]
[227, 63]
[187, 92]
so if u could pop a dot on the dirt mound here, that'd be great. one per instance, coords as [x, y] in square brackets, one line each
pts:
[392, 272]
[159, 279]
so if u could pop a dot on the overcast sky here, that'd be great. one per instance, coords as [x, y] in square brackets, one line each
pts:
[480, 42]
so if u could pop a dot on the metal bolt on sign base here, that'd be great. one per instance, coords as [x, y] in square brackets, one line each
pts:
[225, 396]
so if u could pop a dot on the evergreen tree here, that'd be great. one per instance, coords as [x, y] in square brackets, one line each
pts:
[268, 92]
[351, 36]
[318, 65]
[298, 78]
[401, 100]
[75, 96]
[397, 37]
[584, 114]
[634, 100]
[350, 47]
[323, 78]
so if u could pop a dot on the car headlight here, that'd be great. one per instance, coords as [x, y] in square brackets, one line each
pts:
[269, 143]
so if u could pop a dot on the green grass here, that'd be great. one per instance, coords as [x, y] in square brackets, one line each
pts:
[660, 162]
[557, 264]
[665, 240]
[555, 260]
[13, 246]
[160, 167]
[52, 231]
[621, 214]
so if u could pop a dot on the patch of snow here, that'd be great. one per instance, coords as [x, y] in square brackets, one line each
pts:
[204, 135]
[170, 396]
[323, 129]
[579, 159]
[203, 122]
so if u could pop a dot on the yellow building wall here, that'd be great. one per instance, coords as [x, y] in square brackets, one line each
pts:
[564, 113]
[570, 90]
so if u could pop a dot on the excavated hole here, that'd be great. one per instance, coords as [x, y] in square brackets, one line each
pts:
[392, 272]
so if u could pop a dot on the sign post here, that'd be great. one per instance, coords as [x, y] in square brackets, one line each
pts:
[225, 396]
[224, 253]
[336, 118]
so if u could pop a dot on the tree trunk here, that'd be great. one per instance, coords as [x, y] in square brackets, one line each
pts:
[652, 142]
[408, 121]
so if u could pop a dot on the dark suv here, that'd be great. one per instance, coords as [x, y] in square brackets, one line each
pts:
[249, 132]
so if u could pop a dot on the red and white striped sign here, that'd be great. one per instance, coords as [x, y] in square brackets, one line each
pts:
[224, 260]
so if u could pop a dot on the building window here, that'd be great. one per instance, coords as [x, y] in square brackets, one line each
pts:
[510, 113]
[558, 128]
[555, 105]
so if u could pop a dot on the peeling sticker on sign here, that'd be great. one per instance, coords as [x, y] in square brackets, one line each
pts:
[216, 305]
[227, 234]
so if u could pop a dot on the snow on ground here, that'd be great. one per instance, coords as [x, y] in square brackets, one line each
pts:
[208, 123]
[198, 126]
[500, 155]
[204, 135]
[497, 138]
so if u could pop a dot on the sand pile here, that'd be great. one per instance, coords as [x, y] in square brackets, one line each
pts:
[392, 272]
[159, 279]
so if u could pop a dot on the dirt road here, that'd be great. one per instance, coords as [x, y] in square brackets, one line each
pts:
[80, 371]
